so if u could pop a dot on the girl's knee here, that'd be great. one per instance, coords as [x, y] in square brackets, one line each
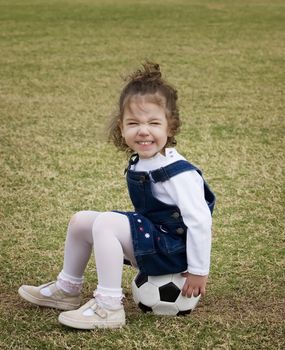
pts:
[101, 221]
[109, 221]
[82, 221]
[77, 218]
[72, 221]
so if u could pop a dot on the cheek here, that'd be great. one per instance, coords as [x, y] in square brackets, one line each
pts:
[127, 134]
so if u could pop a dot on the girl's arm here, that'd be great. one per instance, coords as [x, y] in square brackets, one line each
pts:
[187, 191]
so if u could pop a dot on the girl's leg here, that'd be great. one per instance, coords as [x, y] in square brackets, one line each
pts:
[112, 241]
[78, 248]
[64, 294]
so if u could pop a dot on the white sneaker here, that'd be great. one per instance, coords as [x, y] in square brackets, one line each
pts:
[91, 316]
[58, 298]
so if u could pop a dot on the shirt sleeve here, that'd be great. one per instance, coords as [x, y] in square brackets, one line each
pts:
[187, 191]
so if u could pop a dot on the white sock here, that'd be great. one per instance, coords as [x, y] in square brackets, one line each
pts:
[65, 286]
[69, 284]
[109, 298]
[69, 287]
[107, 302]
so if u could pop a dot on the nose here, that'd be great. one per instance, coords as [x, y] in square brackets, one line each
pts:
[143, 129]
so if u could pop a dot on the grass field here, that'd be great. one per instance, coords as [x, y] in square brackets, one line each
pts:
[61, 65]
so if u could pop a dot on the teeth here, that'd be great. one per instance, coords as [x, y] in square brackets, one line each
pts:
[144, 142]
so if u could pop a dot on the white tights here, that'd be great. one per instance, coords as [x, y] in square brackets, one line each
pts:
[109, 234]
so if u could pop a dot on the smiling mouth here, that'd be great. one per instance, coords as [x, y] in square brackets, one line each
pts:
[144, 142]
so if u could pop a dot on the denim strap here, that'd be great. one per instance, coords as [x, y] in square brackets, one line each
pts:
[178, 167]
[165, 173]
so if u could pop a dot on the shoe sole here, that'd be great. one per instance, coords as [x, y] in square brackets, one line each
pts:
[87, 325]
[46, 303]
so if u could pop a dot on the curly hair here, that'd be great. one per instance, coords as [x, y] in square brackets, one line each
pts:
[149, 83]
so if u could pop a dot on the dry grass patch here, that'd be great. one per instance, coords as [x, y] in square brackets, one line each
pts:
[59, 84]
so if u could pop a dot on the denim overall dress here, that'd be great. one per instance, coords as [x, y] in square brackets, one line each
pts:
[158, 231]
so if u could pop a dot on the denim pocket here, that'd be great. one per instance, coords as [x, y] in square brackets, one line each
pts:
[172, 243]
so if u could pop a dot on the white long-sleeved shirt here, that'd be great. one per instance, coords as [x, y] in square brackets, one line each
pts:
[186, 191]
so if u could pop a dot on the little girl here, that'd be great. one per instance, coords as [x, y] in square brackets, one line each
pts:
[169, 230]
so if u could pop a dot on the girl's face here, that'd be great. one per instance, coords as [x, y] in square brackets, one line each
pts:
[145, 127]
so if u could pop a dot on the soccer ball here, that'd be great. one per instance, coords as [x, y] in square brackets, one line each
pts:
[162, 294]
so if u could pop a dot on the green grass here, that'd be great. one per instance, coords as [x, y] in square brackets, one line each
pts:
[61, 64]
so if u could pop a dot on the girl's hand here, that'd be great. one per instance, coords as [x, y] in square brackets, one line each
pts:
[194, 284]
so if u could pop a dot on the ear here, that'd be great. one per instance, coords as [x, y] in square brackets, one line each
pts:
[169, 132]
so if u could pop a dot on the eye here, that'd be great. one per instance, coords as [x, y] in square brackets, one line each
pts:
[132, 123]
[155, 123]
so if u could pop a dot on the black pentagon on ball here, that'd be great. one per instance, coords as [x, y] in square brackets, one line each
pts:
[184, 313]
[144, 308]
[169, 292]
[141, 279]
